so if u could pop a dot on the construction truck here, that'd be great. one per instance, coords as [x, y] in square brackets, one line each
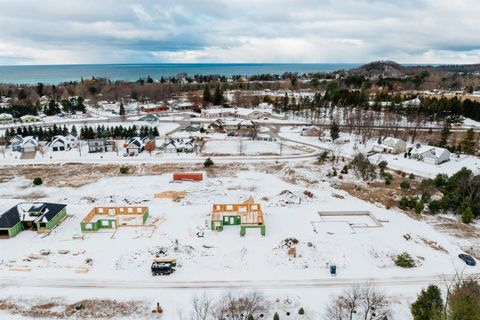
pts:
[162, 266]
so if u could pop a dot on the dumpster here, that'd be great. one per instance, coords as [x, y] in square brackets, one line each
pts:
[333, 270]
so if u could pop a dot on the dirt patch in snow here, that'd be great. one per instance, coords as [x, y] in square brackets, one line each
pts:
[453, 227]
[76, 175]
[84, 309]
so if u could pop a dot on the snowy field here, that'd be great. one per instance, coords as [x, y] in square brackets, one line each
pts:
[225, 258]
[249, 147]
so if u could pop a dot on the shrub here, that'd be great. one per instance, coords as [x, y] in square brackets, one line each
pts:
[363, 167]
[344, 169]
[404, 260]
[276, 316]
[37, 181]
[434, 206]
[429, 304]
[323, 156]
[405, 185]
[388, 181]
[440, 180]
[467, 215]
[383, 165]
[407, 203]
[208, 163]
[250, 317]
[411, 176]
[334, 172]
[301, 311]
[419, 206]
[124, 169]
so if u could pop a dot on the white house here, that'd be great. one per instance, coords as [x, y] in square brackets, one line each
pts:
[63, 143]
[6, 117]
[412, 103]
[180, 145]
[23, 144]
[429, 154]
[134, 146]
[29, 118]
[390, 145]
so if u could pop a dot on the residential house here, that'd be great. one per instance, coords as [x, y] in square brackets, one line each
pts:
[390, 145]
[29, 118]
[134, 146]
[113, 218]
[429, 154]
[38, 216]
[63, 143]
[24, 144]
[101, 145]
[180, 145]
[246, 215]
[6, 118]
[154, 108]
[240, 128]
[150, 118]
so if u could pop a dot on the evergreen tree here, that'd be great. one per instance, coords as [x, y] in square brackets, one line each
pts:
[218, 96]
[429, 304]
[468, 143]
[122, 109]
[467, 215]
[334, 130]
[73, 131]
[207, 96]
[445, 134]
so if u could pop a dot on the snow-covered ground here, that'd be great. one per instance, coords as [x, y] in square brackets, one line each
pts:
[354, 145]
[223, 257]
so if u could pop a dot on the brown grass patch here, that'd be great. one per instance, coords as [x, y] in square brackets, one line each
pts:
[92, 309]
[76, 175]
[454, 228]
[434, 245]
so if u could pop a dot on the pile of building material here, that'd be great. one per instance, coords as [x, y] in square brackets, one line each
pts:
[174, 195]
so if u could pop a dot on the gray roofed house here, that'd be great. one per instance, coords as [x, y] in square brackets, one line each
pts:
[39, 216]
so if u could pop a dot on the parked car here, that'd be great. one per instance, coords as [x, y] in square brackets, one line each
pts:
[160, 269]
[469, 260]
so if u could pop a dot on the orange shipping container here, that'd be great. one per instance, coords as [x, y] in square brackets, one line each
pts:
[188, 176]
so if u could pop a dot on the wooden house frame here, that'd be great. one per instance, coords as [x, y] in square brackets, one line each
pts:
[114, 217]
[246, 215]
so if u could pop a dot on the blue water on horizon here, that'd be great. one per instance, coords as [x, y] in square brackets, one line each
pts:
[54, 74]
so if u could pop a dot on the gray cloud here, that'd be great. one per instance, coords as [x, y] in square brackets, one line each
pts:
[109, 31]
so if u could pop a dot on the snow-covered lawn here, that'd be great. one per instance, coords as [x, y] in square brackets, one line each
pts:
[359, 253]
[247, 147]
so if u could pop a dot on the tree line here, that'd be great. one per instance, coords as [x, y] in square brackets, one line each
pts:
[86, 132]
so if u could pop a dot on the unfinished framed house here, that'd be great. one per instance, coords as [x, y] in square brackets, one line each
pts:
[37, 216]
[114, 217]
[246, 215]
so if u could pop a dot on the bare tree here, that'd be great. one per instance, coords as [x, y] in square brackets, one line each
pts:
[150, 146]
[359, 303]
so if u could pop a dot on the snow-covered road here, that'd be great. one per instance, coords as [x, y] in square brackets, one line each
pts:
[164, 283]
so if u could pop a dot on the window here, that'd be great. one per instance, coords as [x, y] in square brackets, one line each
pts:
[130, 210]
[88, 226]
[105, 223]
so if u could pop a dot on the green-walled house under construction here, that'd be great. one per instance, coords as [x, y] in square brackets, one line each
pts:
[39, 216]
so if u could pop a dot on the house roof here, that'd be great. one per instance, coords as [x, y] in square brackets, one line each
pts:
[428, 151]
[25, 211]
[135, 142]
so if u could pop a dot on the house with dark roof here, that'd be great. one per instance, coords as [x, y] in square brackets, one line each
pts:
[39, 216]
[134, 146]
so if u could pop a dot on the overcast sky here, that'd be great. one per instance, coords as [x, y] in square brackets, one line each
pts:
[141, 31]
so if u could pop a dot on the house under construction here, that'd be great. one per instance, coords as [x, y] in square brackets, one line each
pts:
[246, 215]
[114, 217]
